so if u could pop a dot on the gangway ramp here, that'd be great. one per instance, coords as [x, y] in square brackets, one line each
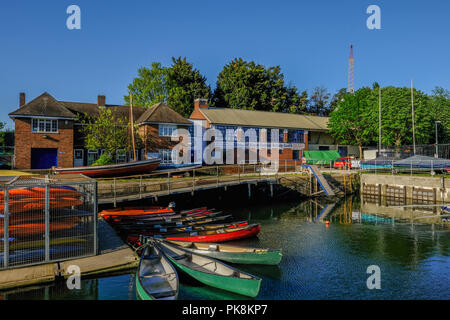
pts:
[321, 179]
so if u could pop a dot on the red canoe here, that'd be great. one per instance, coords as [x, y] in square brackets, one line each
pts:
[111, 170]
[221, 235]
[135, 211]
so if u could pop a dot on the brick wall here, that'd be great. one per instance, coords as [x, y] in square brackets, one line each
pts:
[154, 141]
[25, 140]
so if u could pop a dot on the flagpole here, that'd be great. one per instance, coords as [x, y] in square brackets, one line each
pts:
[413, 118]
[132, 126]
[379, 119]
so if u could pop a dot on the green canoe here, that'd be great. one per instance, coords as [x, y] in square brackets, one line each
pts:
[233, 254]
[156, 278]
[211, 272]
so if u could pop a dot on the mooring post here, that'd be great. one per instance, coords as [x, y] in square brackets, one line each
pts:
[6, 229]
[271, 190]
[140, 187]
[217, 176]
[168, 182]
[249, 190]
[47, 223]
[193, 181]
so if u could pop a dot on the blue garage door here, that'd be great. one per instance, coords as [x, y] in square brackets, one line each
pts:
[44, 158]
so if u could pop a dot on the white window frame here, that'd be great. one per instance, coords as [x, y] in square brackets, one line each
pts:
[166, 130]
[39, 125]
[165, 155]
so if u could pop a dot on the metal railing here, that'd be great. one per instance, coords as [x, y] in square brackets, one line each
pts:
[112, 190]
[46, 219]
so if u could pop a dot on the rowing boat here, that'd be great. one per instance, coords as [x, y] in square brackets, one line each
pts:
[163, 218]
[166, 226]
[156, 278]
[219, 235]
[211, 272]
[113, 170]
[233, 254]
[173, 231]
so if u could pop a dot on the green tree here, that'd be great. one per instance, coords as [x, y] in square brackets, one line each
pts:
[319, 101]
[351, 121]
[185, 85]
[108, 131]
[177, 85]
[150, 87]
[251, 86]
[396, 114]
[338, 96]
[440, 111]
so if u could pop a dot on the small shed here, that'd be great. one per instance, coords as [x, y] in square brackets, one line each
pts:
[321, 157]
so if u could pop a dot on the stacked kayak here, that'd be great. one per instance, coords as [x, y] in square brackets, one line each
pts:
[26, 211]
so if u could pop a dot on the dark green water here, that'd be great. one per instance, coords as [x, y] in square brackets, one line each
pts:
[319, 262]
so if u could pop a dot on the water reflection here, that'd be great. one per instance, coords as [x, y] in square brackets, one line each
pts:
[320, 260]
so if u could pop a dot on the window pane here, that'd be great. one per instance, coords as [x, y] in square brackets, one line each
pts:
[41, 126]
[54, 125]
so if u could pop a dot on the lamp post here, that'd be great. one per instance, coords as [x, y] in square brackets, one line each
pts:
[437, 150]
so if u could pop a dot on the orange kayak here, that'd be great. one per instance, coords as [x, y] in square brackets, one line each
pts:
[31, 229]
[24, 205]
[133, 211]
[40, 193]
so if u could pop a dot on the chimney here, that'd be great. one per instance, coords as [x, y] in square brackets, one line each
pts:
[101, 100]
[22, 99]
[200, 103]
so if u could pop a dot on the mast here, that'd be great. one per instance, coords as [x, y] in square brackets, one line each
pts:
[132, 126]
[412, 107]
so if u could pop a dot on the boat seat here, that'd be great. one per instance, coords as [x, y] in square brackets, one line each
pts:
[165, 294]
[151, 257]
[213, 247]
[179, 256]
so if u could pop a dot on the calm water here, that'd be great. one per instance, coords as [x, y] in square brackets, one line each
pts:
[319, 262]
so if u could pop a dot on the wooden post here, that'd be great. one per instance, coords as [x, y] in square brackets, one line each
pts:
[217, 176]
[168, 182]
[114, 191]
[140, 187]
[132, 126]
[249, 190]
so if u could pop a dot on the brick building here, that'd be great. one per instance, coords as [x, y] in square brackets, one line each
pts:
[47, 132]
[296, 132]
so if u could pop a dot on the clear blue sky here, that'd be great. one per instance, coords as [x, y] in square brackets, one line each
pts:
[308, 39]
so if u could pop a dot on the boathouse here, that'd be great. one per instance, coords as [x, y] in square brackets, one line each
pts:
[48, 132]
[296, 132]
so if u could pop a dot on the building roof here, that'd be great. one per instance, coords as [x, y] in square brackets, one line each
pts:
[161, 113]
[47, 106]
[264, 119]
[44, 106]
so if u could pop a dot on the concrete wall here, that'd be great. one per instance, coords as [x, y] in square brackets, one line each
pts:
[440, 185]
